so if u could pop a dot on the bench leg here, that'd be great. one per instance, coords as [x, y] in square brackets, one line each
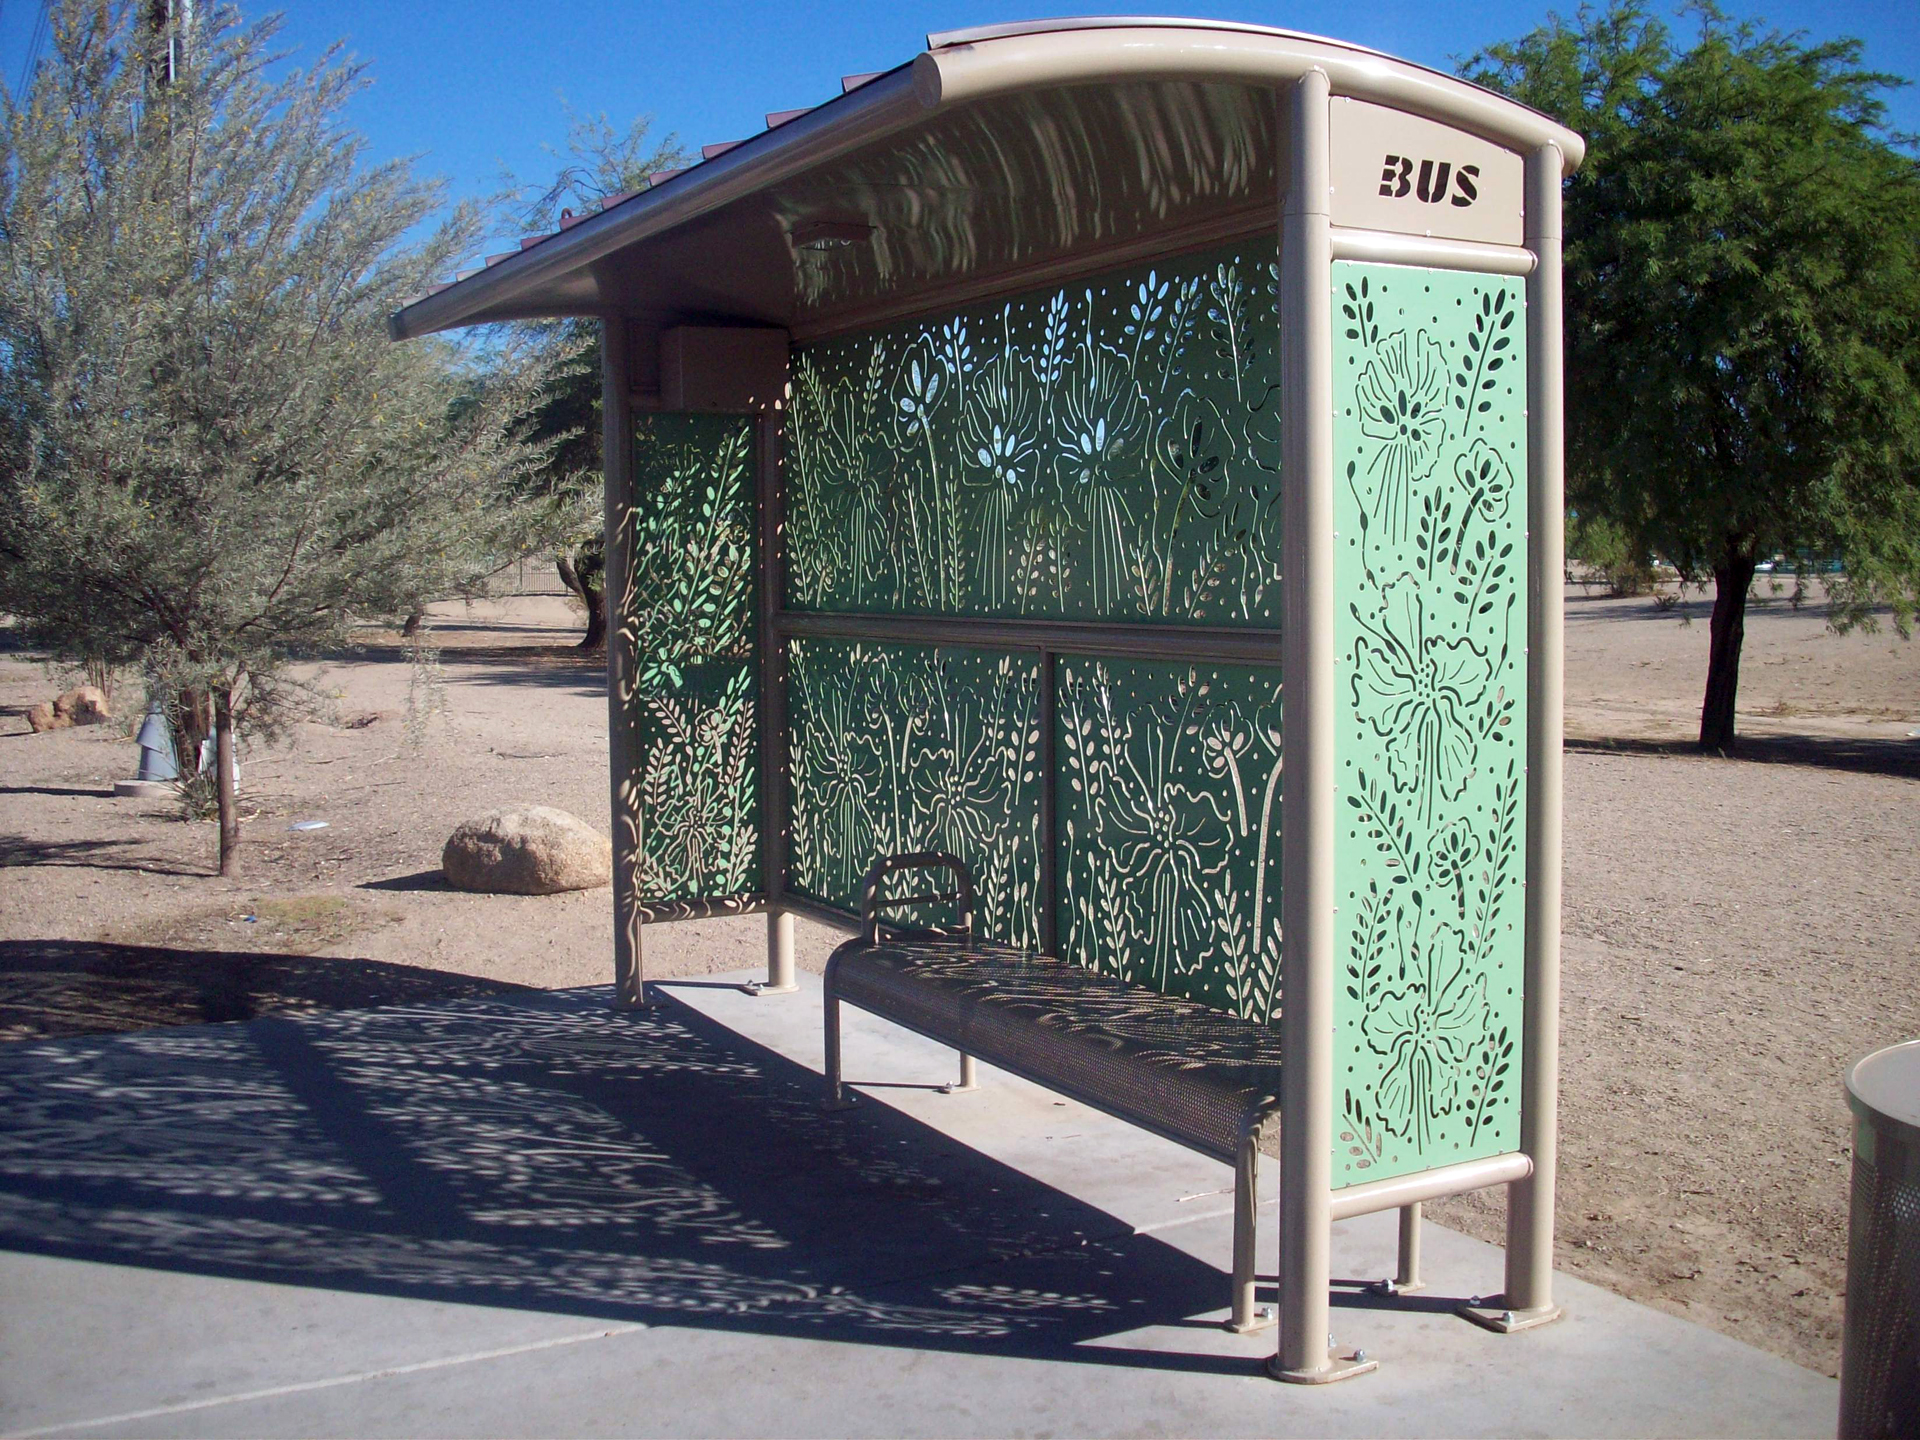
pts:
[830, 1008]
[1248, 1315]
[1406, 1278]
[968, 1081]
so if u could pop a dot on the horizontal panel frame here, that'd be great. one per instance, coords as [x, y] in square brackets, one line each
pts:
[1077, 637]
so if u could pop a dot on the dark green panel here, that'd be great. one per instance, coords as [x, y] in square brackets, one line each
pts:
[692, 802]
[1106, 450]
[1169, 824]
[902, 748]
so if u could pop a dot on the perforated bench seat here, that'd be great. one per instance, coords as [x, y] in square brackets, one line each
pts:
[1184, 1071]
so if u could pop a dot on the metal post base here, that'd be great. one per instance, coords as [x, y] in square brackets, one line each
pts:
[1387, 1289]
[1494, 1315]
[1337, 1367]
[647, 1001]
[969, 1080]
[1265, 1317]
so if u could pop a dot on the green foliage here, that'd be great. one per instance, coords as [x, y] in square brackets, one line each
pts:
[211, 456]
[597, 163]
[1603, 547]
[1743, 300]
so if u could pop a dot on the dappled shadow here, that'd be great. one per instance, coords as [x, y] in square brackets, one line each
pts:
[1866, 756]
[548, 1153]
[84, 855]
[77, 987]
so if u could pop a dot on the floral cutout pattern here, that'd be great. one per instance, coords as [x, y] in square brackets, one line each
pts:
[904, 748]
[1430, 570]
[1106, 450]
[690, 808]
[1169, 816]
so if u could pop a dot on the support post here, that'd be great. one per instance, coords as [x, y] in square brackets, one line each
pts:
[1307, 804]
[1529, 1279]
[771, 399]
[616, 439]
[1406, 1274]
[780, 978]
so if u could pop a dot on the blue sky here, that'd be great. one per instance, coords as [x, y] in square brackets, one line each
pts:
[474, 85]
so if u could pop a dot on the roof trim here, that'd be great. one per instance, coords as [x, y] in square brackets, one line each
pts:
[968, 66]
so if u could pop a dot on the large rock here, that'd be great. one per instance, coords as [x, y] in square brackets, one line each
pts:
[83, 705]
[43, 717]
[532, 850]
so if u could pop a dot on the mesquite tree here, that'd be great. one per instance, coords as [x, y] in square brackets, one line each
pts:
[596, 164]
[1743, 309]
[211, 457]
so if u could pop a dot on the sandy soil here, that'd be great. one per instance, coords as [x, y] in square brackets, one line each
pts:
[1736, 931]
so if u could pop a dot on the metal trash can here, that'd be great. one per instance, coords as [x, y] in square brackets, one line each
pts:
[1880, 1351]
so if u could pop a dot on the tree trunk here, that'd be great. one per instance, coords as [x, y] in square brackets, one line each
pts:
[596, 598]
[229, 801]
[1732, 579]
[587, 579]
[192, 724]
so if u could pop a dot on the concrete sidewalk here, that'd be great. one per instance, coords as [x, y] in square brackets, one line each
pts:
[538, 1216]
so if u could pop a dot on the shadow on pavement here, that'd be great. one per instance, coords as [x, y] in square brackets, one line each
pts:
[545, 1152]
[51, 988]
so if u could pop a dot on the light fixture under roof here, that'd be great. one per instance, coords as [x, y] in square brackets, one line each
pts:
[820, 236]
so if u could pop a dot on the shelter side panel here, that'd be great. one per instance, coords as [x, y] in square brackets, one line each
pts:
[897, 748]
[1169, 827]
[1102, 450]
[1430, 477]
[691, 805]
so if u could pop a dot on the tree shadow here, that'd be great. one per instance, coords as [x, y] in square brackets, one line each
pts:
[84, 855]
[51, 988]
[545, 1152]
[1899, 758]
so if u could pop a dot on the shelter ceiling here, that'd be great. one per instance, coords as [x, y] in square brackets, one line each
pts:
[982, 198]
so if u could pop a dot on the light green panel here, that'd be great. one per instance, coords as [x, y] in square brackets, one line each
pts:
[1430, 450]
[692, 802]
[1169, 820]
[1106, 450]
[898, 748]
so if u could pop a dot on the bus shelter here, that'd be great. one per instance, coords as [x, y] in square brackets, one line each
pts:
[1126, 455]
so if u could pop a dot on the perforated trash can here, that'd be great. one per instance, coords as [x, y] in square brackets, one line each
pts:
[1880, 1351]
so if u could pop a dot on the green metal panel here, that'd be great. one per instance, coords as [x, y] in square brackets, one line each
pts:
[1430, 457]
[1169, 819]
[691, 805]
[1106, 450]
[899, 748]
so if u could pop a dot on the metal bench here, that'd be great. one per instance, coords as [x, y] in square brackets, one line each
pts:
[1186, 1072]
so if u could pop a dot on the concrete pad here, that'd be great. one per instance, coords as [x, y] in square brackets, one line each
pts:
[537, 1216]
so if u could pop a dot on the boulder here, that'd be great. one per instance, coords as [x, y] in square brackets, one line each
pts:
[43, 717]
[83, 705]
[528, 850]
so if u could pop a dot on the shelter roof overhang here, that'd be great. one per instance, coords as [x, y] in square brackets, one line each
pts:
[1001, 157]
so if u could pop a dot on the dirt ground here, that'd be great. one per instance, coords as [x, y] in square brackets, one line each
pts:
[1735, 930]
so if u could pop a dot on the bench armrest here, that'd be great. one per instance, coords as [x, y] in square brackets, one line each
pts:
[872, 902]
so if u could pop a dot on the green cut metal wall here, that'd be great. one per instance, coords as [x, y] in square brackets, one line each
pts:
[898, 748]
[1107, 450]
[1430, 474]
[691, 806]
[1104, 451]
[1169, 813]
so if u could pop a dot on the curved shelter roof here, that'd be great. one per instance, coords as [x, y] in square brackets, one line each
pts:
[1001, 157]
